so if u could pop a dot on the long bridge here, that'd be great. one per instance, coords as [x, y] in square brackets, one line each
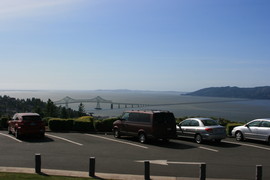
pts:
[67, 100]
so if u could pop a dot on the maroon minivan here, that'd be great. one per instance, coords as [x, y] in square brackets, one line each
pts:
[26, 124]
[146, 124]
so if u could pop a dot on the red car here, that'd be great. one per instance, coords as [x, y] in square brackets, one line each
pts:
[26, 124]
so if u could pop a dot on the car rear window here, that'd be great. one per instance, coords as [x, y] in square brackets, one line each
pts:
[164, 118]
[209, 122]
[31, 118]
[139, 117]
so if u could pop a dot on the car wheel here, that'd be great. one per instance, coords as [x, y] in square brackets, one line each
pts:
[9, 130]
[239, 136]
[17, 134]
[165, 140]
[142, 138]
[116, 133]
[42, 136]
[198, 138]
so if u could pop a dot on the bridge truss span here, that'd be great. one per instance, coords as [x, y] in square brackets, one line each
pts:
[67, 100]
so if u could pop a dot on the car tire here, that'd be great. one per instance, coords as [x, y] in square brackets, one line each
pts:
[42, 136]
[239, 136]
[198, 138]
[142, 138]
[17, 134]
[116, 133]
[165, 140]
[9, 130]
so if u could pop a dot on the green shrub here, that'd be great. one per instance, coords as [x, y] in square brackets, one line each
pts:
[4, 122]
[84, 123]
[85, 119]
[105, 125]
[230, 127]
[83, 126]
[46, 120]
[57, 124]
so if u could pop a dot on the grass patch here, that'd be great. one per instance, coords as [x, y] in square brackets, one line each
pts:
[21, 176]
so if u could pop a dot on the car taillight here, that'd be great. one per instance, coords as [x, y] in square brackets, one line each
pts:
[20, 123]
[210, 130]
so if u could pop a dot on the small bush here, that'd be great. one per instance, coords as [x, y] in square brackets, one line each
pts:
[230, 127]
[57, 124]
[46, 120]
[105, 125]
[83, 126]
[84, 123]
[85, 119]
[4, 122]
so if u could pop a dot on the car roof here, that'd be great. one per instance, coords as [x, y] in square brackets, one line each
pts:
[262, 119]
[148, 111]
[199, 119]
[27, 114]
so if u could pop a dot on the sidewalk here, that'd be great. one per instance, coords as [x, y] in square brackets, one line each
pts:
[98, 175]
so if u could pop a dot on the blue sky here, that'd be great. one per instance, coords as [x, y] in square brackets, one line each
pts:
[180, 45]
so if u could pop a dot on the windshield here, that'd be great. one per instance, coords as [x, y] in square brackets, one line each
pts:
[209, 122]
[31, 118]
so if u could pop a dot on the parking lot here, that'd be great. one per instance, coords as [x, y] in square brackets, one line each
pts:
[179, 157]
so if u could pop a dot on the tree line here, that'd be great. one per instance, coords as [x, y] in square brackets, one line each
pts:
[10, 106]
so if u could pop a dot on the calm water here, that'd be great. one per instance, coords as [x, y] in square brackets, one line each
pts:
[229, 108]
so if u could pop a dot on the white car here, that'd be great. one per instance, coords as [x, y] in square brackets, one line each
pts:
[258, 129]
[201, 129]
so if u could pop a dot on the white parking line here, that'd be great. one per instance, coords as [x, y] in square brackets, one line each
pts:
[64, 139]
[209, 149]
[10, 137]
[250, 145]
[144, 147]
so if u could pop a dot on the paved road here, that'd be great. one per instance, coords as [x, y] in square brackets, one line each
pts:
[71, 151]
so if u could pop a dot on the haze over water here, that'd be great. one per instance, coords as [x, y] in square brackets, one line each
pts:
[229, 108]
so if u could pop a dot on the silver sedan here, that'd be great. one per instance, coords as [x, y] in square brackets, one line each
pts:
[201, 129]
[258, 129]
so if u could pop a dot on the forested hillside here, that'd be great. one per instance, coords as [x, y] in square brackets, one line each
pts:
[234, 92]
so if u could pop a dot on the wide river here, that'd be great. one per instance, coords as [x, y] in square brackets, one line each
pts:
[229, 108]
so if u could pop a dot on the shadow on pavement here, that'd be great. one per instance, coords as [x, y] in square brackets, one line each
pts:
[172, 144]
[31, 139]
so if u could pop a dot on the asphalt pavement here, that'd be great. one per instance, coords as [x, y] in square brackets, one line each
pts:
[123, 158]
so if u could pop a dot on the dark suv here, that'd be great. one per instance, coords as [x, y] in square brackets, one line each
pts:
[26, 124]
[146, 124]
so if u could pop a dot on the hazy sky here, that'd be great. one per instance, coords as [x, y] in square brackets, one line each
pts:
[181, 45]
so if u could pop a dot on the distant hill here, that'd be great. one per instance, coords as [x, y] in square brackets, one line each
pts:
[234, 92]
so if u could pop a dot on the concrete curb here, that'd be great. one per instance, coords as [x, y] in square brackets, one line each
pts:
[97, 175]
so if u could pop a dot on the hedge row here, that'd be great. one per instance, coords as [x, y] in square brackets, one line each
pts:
[230, 126]
[104, 125]
[3, 122]
[83, 124]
